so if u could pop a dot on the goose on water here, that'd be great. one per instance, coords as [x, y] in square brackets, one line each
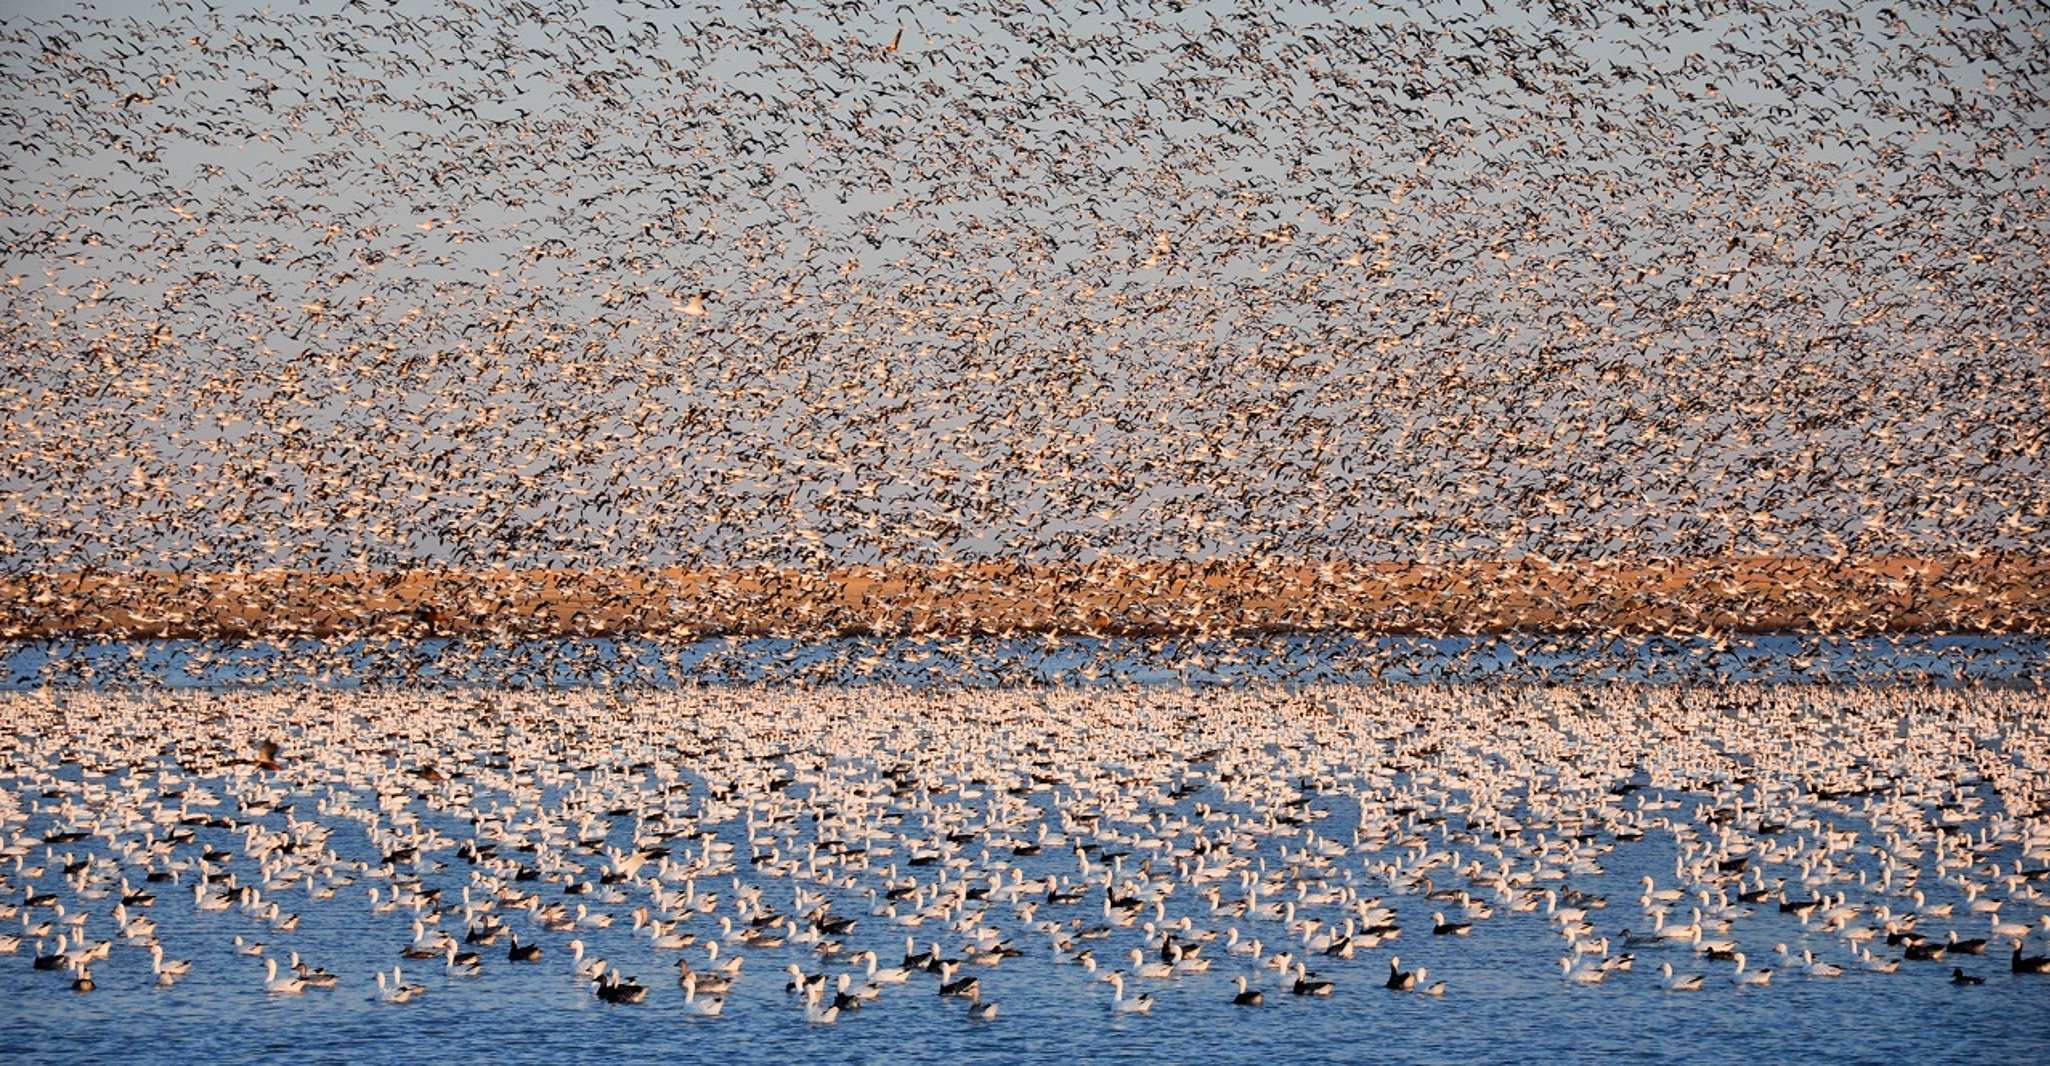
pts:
[707, 1006]
[1138, 1004]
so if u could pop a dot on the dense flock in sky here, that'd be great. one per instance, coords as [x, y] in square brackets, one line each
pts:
[1247, 297]
[382, 284]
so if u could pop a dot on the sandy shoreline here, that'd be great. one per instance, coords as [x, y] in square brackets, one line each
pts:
[1959, 594]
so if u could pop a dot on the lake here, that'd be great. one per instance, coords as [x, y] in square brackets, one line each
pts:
[1589, 788]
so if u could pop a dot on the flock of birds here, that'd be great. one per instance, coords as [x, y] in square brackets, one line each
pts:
[982, 662]
[541, 285]
[885, 844]
[365, 286]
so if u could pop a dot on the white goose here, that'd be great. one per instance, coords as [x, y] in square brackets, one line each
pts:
[280, 986]
[1139, 1004]
[814, 1012]
[167, 970]
[1818, 969]
[584, 970]
[1159, 971]
[705, 1007]
[1671, 982]
[395, 990]
[1580, 975]
[895, 975]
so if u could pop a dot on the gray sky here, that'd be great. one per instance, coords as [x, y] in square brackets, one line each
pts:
[388, 284]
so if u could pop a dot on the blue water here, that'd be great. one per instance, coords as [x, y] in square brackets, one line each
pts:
[1298, 659]
[1504, 1002]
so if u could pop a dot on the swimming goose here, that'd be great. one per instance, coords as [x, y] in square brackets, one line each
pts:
[762, 937]
[895, 975]
[314, 978]
[1754, 978]
[1799, 908]
[463, 964]
[1818, 969]
[90, 951]
[847, 997]
[1562, 915]
[663, 936]
[60, 960]
[706, 1007]
[612, 988]
[1139, 1004]
[587, 970]
[1235, 946]
[1399, 979]
[420, 950]
[483, 934]
[1721, 950]
[137, 928]
[396, 990]
[709, 983]
[1922, 906]
[1689, 932]
[1308, 985]
[280, 986]
[801, 983]
[1672, 982]
[729, 968]
[167, 970]
[963, 987]
[1639, 940]
[1154, 970]
[818, 1015]
[1923, 950]
[279, 920]
[2008, 929]
[1246, 997]
[1580, 974]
